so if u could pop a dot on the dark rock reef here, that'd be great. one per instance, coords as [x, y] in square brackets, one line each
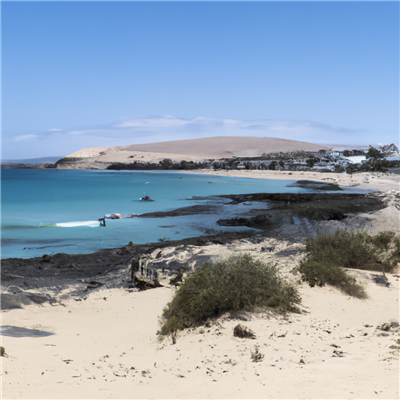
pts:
[285, 208]
[315, 185]
[111, 266]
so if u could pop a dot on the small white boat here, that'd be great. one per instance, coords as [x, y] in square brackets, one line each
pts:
[113, 216]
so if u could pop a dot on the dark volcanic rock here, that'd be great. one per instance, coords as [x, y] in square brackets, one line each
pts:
[284, 207]
[192, 210]
[315, 185]
[83, 266]
[257, 222]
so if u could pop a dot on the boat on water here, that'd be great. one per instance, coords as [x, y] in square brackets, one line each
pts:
[111, 216]
[146, 198]
[114, 216]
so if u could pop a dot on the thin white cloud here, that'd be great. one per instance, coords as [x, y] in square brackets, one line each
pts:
[128, 130]
[24, 138]
[222, 126]
[81, 132]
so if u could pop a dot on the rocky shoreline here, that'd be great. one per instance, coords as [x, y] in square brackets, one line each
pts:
[81, 324]
[113, 266]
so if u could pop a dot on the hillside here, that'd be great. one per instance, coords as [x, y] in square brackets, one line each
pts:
[191, 150]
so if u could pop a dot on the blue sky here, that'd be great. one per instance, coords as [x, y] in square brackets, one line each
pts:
[87, 74]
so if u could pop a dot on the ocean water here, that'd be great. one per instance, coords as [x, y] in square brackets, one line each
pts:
[57, 211]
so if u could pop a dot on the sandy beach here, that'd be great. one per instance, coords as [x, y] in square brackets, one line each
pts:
[104, 343]
[368, 181]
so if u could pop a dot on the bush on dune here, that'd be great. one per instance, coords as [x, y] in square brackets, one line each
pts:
[234, 284]
[243, 332]
[383, 239]
[329, 254]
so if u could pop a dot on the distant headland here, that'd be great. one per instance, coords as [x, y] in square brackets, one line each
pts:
[202, 152]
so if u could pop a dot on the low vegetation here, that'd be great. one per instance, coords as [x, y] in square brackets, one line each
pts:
[243, 332]
[372, 165]
[144, 284]
[387, 326]
[234, 284]
[291, 161]
[329, 254]
[256, 355]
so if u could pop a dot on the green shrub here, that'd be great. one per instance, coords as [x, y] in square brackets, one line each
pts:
[394, 256]
[329, 254]
[339, 168]
[243, 332]
[374, 153]
[355, 250]
[321, 273]
[3, 351]
[343, 248]
[256, 355]
[234, 284]
[383, 239]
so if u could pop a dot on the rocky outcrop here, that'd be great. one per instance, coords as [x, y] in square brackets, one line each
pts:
[24, 279]
[315, 185]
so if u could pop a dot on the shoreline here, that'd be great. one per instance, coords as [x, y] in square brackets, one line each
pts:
[257, 204]
[98, 339]
[369, 181]
[103, 343]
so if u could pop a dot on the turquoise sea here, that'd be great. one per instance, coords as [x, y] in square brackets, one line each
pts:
[57, 211]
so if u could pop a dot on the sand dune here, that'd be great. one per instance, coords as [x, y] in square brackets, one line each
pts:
[196, 149]
[106, 347]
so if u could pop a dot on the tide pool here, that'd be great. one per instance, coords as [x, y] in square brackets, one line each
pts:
[57, 211]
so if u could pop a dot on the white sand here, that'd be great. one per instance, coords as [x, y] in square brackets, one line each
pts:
[114, 352]
[97, 342]
[370, 181]
[106, 346]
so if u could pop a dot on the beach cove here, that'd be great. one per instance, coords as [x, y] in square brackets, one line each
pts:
[74, 331]
[57, 211]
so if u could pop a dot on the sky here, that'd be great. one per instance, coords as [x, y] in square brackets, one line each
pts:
[90, 74]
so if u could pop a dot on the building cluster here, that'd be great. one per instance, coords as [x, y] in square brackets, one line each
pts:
[323, 160]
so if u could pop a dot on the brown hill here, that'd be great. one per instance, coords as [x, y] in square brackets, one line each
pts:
[196, 149]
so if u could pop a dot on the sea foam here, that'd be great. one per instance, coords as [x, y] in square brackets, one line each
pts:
[93, 224]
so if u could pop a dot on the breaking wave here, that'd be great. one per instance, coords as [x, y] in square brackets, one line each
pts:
[91, 224]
